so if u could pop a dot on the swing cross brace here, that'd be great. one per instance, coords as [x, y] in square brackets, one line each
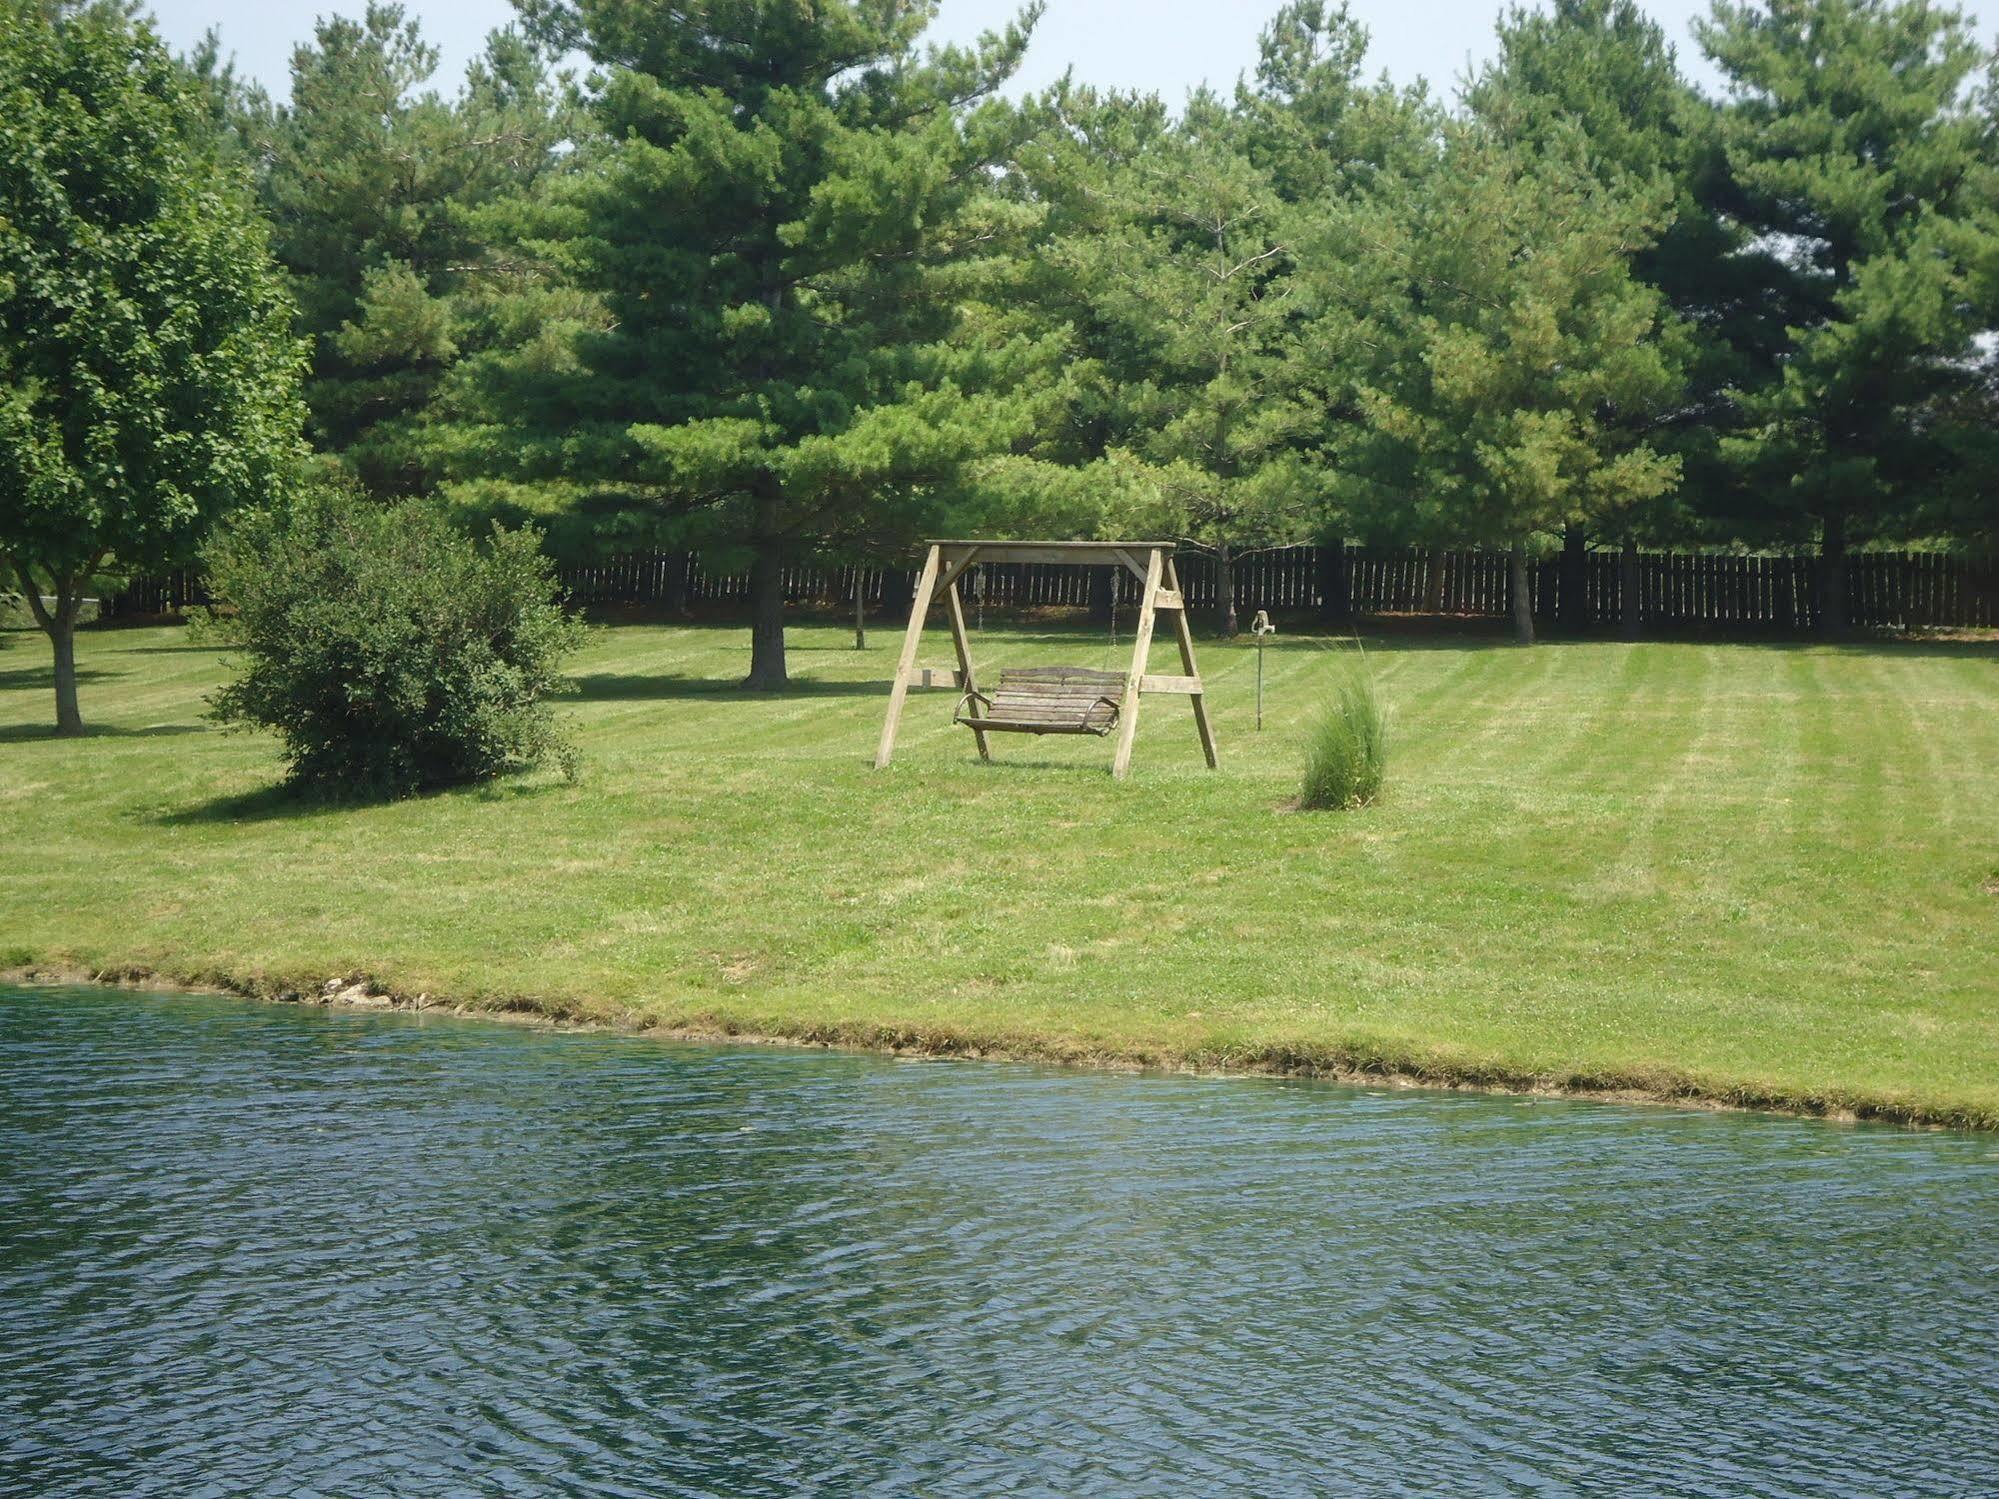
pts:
[1052, 700]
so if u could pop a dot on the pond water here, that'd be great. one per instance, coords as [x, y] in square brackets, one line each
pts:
[262, 1249]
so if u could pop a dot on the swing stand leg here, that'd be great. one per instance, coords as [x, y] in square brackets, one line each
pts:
[905, 663]
[1184, 634]
[1141, 651]
[966, 679]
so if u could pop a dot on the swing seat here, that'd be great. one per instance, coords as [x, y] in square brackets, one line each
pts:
[1046, 700]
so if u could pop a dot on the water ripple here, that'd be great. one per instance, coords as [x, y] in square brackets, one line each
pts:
[249, 1249]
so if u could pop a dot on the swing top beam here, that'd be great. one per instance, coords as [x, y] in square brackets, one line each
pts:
[1068, 551]
[956, 556]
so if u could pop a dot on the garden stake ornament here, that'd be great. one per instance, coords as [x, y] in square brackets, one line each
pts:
[1260, 627]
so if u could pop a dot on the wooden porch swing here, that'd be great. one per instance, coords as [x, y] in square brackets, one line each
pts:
[1051, 699]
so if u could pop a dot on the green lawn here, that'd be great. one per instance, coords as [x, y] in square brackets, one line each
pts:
[1753, 873]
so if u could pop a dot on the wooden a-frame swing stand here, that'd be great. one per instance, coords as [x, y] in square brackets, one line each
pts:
[1051, 699]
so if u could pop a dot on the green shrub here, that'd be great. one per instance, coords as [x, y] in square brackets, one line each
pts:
[389, 652]
[1346, 752]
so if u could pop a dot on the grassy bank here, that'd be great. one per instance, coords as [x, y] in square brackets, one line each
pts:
[1757, 874]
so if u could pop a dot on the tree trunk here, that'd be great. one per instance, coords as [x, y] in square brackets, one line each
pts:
[1225, 589]
[1629, 603]
[1523, 600]
[767, 673]
[860, 610]
[1832, 577]
[1572, 602]
[59, 624]
[62, 635]
[1433, 583]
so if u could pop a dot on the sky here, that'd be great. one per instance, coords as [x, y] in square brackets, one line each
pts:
[1169, 46]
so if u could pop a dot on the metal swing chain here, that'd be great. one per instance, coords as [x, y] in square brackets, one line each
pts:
[1110, 650]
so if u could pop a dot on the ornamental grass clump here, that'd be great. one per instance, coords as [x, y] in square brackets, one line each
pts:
[1346, 750]
[389, 652]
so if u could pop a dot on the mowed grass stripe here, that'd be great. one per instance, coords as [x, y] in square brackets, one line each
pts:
[1737, 871]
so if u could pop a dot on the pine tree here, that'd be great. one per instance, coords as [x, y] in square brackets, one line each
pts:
[1310, 122]
[1079, 143]
[1190, 280]
[1171, 263]
[1604, 68]
[375, 185]
[1495, 346]
[1322, 135]
[1860, 160]
[787, 212]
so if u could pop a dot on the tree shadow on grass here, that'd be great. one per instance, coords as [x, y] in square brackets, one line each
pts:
[613, 687]
[34, 733]
[274, 803]
[280, 801]
[43, 678]
[1002, 764]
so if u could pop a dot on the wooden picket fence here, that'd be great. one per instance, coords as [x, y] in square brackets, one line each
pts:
[1721, 592]
[167, 593]
[1724, 591]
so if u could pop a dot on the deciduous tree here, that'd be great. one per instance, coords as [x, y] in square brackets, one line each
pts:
[147, 371]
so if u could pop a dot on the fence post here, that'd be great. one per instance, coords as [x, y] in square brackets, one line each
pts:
[673, 582]
[1630, 604]
[1572, 600]
[1335, 596]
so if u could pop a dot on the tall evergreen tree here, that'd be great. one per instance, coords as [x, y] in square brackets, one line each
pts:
[375, 184]
[1192, 278]
[1308, 119]
[1861, 160]
[148, 381]
[1171, 262]
[1605, 68]
[1496, 347]
[789, 204]
[1322, 134]
[1080, 144]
